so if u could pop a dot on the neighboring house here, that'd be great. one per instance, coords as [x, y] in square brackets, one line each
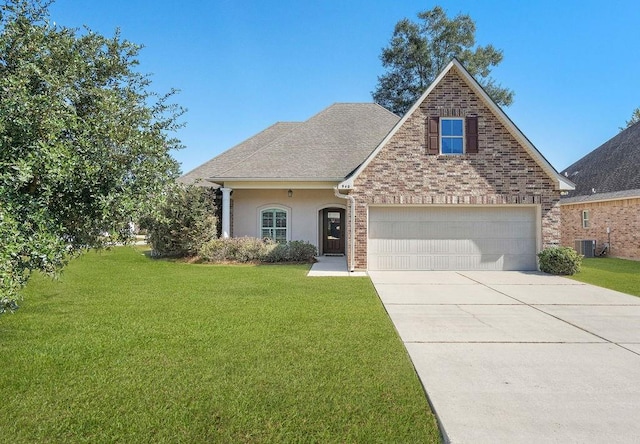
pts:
[605, 205]
[452, 185]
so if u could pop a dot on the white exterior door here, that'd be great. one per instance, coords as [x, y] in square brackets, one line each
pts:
[452, 238]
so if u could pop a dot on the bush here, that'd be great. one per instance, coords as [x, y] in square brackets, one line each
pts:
[294, 251]
[560, 260]
[241, 249]
[250, 249]
[183, 222]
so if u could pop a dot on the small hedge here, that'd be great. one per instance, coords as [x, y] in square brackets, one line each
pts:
[240, 249]
[560, 261]
[250, 249]
[294, 251]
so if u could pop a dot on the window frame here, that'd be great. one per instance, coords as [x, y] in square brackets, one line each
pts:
[462, 136]
[274, 228]
[585, 218]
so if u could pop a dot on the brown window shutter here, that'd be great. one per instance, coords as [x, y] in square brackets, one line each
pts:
[433, 134]
[471, 134]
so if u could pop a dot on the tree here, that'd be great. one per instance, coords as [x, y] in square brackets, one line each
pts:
[418, 52]
[635, 117]
[84, 143]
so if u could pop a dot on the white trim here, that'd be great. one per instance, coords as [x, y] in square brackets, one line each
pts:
[603, 200]
[539, 234]
[274, 184]
[351, 214]
[226, 212]
[585, 218]
[274, 206]
[463, 136]
[562, 183]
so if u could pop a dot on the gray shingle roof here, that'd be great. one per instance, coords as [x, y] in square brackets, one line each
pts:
[328, 146]
[238, 153]
[612, 167]
[615, 195]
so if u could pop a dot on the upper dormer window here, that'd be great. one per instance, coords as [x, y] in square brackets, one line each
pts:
[451, 136]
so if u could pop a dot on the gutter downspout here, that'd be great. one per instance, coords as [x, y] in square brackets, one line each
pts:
[352, 217]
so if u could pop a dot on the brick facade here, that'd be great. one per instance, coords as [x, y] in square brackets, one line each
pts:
[621, 216]
[501, 173]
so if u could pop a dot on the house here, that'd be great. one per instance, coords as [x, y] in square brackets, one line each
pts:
[452, 185]
[605, 205]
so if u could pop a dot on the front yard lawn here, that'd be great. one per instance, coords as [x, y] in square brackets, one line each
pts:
[129, 349]
[616, 274]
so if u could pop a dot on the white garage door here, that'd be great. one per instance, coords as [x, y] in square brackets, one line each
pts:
[449, 238]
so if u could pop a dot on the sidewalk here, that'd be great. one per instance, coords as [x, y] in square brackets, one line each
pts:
[332, 266]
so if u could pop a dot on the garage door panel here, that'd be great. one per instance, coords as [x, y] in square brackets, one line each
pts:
[489, 246]
[445, 262]
[419, 238]
[449, 229]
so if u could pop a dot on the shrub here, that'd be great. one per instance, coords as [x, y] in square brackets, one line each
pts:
[241, 249]
[251, 249]
[183, 222]
[293, 251]
[560, 260]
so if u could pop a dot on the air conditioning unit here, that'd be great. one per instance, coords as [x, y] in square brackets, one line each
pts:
[586, 247]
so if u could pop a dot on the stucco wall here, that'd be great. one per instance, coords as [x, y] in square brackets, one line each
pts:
[621, 216]
[502, 172]
[304, 206]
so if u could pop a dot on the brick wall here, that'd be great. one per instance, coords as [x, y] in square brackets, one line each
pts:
[621, 216]
[500, 173]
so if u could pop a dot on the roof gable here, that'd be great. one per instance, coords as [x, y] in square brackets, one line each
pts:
[561, 182]
[612, 167]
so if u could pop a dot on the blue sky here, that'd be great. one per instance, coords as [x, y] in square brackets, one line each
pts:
[244, 65]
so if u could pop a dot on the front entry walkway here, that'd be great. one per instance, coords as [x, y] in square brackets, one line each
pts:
[520, 357]
[332, 266]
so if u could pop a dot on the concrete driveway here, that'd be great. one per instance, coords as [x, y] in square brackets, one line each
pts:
[508, 357]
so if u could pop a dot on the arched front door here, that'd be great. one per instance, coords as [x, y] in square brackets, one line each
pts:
[333, 231]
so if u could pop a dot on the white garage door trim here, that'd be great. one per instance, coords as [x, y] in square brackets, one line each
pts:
[460, 237]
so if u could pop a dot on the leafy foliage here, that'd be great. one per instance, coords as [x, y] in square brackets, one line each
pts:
[239, 249]
[84, 143]
[293, 251]
[635, 117]
[560, 260]
[418, 52]
[250, 249]
[183, 221]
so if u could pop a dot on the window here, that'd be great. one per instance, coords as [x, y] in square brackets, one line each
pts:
[451, 136]
[273, 224]
[585, 219]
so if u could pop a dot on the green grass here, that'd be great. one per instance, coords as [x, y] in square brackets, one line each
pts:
[129, 349]
[616, 274]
